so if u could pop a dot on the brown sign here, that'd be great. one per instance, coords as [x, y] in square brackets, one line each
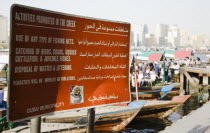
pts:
[60, 62]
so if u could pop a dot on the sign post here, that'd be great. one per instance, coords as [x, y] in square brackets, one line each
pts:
[90, 120]
[60, 62]
[35, 125]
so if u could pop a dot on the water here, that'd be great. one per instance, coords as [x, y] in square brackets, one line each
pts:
[154, 124]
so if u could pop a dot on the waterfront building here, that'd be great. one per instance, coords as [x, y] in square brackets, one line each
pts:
[207, 42]
[200, 40]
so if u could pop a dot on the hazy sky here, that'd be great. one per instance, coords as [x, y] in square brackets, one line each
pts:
[190, 15]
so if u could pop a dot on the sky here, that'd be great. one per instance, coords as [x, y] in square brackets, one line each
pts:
[189, 15]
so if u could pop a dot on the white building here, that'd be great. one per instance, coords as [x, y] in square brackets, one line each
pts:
[150, 40]
[135, 36]
[200, 40]
[161, 30]
[3, 30]
[143, 32]
[161, 33]
[174, 36]
[138, 35]
[185, 39]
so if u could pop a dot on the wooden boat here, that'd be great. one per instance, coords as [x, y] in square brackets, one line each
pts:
[118, 120]
[153, 94]
[108, 118]
[162, 105]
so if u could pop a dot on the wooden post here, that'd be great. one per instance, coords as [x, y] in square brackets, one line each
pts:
[91, 120]
[185, 85]
[200, 79]
[36, 125]
[137, 95]
[181, 83]
[164, 72]
[209, 93]
[205, 79]
[188, 86]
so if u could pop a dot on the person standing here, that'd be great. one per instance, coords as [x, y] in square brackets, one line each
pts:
[171, 62]
[151, 66]
[140, 77]
[147, 70]
[143, 68]
[139, 66]
[157, 69]
[176, 68]
[198, 61]
[187, 62]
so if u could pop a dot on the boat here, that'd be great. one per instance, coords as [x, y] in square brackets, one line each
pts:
[153, 94]
[117, 117]
[156, 106]
[107, 119]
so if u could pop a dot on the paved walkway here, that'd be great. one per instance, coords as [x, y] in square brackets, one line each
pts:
[197, 121]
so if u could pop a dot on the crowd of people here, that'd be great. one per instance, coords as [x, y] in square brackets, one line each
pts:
[155, 71]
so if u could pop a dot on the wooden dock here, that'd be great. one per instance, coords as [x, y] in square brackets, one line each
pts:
[193, 79]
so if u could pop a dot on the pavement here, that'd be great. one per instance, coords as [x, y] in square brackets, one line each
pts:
[197, 121]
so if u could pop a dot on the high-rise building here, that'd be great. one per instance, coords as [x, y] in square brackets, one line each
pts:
[161, 32]
[138, 35]
[174, 36]
[135, 38]
[185, 39]
[150, 40]
[145, 29]
[143, 32]
[3, 30]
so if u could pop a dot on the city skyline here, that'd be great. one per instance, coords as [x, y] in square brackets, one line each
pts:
[166, 36]
[190, 15]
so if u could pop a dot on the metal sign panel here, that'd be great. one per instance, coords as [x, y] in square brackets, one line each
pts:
[60, 62]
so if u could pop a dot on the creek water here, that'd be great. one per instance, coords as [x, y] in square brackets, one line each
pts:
[154, 124]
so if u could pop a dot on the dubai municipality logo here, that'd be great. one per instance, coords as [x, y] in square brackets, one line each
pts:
[76, 94]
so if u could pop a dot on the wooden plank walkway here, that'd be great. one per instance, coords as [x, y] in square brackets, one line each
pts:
[196, 122]
[193, 78]
[200, 71]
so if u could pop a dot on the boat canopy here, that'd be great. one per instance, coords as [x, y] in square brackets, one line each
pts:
[150, 56]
